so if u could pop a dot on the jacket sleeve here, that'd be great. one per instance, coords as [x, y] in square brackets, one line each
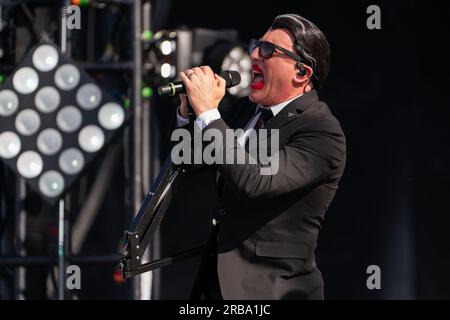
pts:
[310, 158]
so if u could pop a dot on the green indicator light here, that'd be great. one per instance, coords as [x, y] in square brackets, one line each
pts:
[147, 92]
[147, 35]
[127, 103]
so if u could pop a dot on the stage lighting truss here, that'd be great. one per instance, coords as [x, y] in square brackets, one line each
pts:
[54, 119]
[162, 57]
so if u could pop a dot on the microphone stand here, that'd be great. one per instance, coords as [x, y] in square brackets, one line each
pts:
[149, 217]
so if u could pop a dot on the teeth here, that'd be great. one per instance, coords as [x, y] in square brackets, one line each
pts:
[258, 77]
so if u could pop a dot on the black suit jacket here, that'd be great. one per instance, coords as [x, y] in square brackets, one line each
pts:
[269, 231]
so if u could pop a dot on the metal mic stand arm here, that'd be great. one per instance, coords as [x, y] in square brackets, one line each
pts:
[143, 227]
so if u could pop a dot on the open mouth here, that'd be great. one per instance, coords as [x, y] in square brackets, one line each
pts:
[258, 78]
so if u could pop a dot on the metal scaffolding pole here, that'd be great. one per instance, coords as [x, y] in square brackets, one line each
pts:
[63, 221]
[20, 228]
[137, 126]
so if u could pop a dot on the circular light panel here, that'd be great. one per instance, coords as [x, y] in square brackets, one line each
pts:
[47, 99]
[51, 184]
[239, 60]
[9, 145]
[29, 164]
[91, 138]
[27, 122]
[45, 58]
[67, 77]
[49, 141]
[69, 119]
[25, 80]
[71, 161]
[111, 116]
[89, 96]
[8, 102]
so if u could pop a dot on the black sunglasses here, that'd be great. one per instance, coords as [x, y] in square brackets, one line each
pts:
[266, 49]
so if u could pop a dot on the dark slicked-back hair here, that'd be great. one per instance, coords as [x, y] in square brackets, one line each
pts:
[310, 44]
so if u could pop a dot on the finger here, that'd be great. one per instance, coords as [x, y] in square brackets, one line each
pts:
[197, 71]
[217, 78]
[188, 84]
[183, 106]
[207, 71]
[188, 73]
[220, 81]
[185, 79]
[183, 99]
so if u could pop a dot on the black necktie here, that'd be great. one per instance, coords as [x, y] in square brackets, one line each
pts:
[266, 115]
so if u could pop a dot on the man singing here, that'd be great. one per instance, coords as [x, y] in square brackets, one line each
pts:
[268, 225]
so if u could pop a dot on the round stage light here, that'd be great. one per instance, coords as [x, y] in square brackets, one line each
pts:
[49, 141]
[67, 77]
[239, 60]
[29, 164]
[27, 122]
[111, 116]
[45, 58]
[9, 145]
[71, 161]
[25, 80]
[167, 47]
[89, 96]
[69, 119]
[91, 138]
[51, 184]
[47, 99]
[167, 70]
[8, 102]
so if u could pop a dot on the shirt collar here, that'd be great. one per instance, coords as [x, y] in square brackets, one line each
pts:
[278, 107]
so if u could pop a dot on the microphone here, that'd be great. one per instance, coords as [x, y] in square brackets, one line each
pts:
[231, 77]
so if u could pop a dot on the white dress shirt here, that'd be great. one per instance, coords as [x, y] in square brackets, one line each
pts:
[204, 119]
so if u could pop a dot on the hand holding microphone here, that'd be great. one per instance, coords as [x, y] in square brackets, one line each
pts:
[204, 89]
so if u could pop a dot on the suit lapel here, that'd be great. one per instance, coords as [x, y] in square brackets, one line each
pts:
[244, 117]
[240, 118]
[292, 110]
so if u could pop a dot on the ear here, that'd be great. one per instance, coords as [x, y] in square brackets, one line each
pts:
[302, 78]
